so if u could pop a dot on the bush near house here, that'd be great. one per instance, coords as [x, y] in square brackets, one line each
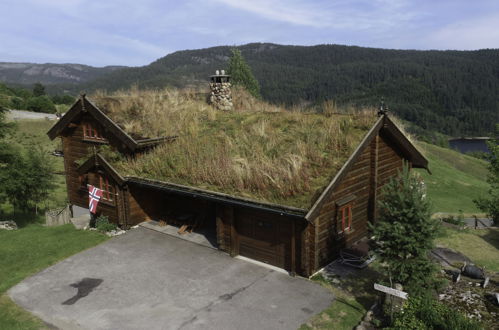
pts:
[102, 224]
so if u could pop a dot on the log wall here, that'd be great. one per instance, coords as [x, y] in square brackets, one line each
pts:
[76, 148]
[377, 162]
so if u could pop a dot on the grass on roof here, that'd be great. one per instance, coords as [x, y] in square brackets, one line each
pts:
[257, 151]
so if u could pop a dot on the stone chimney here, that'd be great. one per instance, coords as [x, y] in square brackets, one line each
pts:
[220, 95]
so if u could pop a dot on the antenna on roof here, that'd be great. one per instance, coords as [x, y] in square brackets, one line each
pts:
[383, 108]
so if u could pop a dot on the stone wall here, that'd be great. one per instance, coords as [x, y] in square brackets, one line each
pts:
[58, 217]
[221, 96]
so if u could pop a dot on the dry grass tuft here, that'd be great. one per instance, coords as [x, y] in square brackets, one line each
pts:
[258, 150]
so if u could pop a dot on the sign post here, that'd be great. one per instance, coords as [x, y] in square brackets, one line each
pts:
[391, 291]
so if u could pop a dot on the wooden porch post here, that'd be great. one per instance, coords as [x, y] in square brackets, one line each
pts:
[293, 248]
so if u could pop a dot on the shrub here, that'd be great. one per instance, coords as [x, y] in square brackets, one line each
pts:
[102, 224]
[427, 313]
[41, 104]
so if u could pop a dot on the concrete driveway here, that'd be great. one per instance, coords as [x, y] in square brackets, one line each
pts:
[148, 280]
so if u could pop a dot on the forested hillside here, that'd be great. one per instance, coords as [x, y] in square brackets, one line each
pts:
[451, 92]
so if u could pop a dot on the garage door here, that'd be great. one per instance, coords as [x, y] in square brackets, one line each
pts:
[259, 239]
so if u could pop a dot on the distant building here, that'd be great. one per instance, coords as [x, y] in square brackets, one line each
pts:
[470, 144]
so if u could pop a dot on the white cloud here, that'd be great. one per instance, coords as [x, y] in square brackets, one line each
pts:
[281, 11]
[132, 32]
[469, 34]
[356, 15]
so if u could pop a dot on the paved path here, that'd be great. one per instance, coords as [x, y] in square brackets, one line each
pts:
[149, 280]
[482, 222]
[22, 114]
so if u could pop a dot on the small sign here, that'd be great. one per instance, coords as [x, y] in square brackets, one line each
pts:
[393, 292]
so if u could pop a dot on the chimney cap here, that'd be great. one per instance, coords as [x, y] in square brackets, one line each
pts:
[220, 73]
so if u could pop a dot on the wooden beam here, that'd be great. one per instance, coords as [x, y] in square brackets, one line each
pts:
[293, 248]
[234, 239]
[373, 195]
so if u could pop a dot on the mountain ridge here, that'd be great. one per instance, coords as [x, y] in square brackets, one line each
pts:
[452, 92]
[25, 73]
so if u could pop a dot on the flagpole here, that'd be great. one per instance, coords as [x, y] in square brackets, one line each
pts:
[91, 223]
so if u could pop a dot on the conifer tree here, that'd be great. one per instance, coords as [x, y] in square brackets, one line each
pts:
[404, 232]
[241, 73]
[38, 89]
[490, 205]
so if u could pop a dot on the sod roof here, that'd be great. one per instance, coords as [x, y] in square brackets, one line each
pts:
[257, 151]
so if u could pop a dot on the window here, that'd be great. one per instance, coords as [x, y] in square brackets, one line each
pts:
[345, 216]
[83, 181]
[107, 189]
[101, 182]
[90, 132]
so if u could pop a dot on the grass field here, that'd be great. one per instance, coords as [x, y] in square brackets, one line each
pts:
[455, 181]
[481, 246]
[29, 250]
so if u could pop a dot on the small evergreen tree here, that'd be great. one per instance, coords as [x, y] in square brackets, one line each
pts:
[241, 73]
[404, 232]
[38, 89]
[490, 205]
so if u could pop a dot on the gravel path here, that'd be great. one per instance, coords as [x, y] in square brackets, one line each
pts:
[22, 114]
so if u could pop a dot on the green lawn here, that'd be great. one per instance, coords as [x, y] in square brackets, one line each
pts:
[29, 250]
[455, 181]
[481, 245]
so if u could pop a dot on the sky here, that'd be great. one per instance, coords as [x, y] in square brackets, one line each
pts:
[137, 32]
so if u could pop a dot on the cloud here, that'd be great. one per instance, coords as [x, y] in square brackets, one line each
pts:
[476, 33]
[300, 14]
[130, 32]
[357, 15]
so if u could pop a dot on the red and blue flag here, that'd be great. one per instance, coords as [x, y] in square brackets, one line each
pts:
[94, 195]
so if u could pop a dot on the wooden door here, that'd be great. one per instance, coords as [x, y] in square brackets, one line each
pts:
[258, 238]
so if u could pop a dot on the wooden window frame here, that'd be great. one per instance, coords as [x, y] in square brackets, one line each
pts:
[92, 133]
[108, 190]
[345, 212]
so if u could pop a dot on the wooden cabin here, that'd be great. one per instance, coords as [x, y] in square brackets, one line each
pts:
[299, 239]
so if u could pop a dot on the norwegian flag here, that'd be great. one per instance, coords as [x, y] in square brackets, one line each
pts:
[94, 195]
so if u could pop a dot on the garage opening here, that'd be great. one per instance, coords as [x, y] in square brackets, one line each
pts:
[192, 220]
